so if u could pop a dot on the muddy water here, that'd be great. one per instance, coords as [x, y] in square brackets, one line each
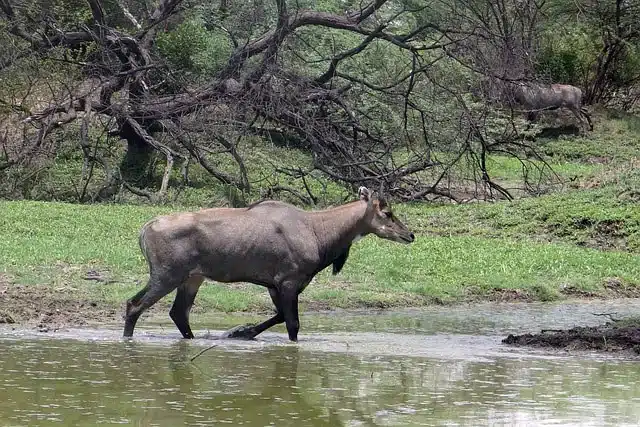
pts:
[427, 367]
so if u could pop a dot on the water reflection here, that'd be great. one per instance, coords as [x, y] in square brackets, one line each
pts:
[47, 382]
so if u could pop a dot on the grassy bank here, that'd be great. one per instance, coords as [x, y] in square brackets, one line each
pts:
[462, 253]
[581, 239]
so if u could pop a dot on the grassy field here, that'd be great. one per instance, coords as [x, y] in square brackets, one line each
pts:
[462, 253]
[581, 240]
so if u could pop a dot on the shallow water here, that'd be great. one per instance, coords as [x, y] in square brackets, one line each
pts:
[471, 319]
[418, 367]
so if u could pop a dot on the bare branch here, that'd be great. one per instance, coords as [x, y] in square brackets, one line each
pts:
[330, 73]
[138, 191]
[97, 11]
[303, 18]
[129, 15]
[283, 188]
[164, 10]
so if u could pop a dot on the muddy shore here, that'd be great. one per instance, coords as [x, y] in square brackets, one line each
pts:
[610, 337]
[47, 310]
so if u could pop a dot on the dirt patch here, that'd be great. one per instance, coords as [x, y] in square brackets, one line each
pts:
[574, 291]
[598, 160]
[609, 235]
[509, 295]
[630, 196]
[616, 288]
[613, 288]
[611, 337]
[316, 305]
[474, 294]
[605, 235]
[49, 309]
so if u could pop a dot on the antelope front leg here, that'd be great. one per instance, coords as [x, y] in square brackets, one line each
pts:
[251, 331]
[286, 302]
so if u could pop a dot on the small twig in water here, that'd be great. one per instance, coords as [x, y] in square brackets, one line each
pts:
[206, 349]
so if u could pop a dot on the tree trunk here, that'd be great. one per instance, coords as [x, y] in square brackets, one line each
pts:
[135, 167]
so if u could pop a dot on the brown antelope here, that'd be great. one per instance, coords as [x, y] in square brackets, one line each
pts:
[270, 243]
[536, 97]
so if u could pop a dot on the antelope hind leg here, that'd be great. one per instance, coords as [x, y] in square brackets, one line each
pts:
[185, 297]
[249, 332]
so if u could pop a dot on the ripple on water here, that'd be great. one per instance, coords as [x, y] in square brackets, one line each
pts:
[327, 379]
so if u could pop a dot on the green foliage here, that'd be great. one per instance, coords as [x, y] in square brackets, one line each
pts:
[567, 54]
[191, 46]
[66, 13]
[70, 12]
[628, 70]
[591, 43]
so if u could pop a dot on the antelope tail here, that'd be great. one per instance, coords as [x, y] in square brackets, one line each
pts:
[142, 241]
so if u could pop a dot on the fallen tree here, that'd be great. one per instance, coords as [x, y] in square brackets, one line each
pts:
[386, 105]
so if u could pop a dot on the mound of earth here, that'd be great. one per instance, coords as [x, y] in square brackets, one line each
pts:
[621, 335]
[49, 308]
[46, 310]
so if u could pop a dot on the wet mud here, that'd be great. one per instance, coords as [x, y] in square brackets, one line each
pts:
[46, 308]
[611, 337]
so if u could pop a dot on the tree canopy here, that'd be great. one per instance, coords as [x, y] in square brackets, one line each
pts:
[386, 92]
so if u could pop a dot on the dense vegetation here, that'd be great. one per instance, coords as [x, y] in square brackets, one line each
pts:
[154, 100]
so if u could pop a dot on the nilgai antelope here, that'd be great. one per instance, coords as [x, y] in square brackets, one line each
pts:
[534, 97]
[270, 243]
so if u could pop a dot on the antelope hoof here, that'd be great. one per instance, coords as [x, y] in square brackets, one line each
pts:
[243, 332]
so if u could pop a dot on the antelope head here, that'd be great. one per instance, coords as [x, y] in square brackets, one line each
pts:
[380, 218]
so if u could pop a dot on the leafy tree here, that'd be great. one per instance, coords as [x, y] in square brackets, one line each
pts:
[378, 92]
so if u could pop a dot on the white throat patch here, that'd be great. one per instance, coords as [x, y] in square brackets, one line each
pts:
[355, 239]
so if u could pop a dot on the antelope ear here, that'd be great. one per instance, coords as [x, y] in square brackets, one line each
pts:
[364, 194]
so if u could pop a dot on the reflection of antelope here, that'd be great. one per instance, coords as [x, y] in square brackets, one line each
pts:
[536, 97]
[270, 243]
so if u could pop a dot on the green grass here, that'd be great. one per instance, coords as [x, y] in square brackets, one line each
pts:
[576, 237]
[57, 244]
[450, 268]
[510, 169]
[615, 139]
[607, 217]
[60, 181]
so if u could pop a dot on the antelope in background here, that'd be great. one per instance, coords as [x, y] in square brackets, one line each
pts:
[536, 97]
[270, 243]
